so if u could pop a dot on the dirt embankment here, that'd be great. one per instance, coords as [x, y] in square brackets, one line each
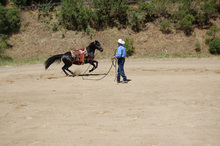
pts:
[37, 40]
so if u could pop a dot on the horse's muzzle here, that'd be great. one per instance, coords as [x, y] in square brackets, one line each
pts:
[101, 49]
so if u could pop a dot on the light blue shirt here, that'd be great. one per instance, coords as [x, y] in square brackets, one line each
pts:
[121, 52]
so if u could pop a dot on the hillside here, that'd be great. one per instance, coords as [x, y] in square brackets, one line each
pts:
[36, 41]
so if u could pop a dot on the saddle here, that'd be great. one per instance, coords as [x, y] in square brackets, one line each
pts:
[79, 55]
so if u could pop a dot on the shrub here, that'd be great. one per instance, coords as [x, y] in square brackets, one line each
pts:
[207, 41]
[136, 20]
[4, 2]
[103, 13]
[10, 21]
[161, 9]
[210, 7]
[187, 24]
[30, 2]
[214, 29]
[209, 33]
[165, 26]
[129, 46]
[149, 9]
[198, 47]
[90, 31]
[110, 13]
[3, 47]
[215, 46]
[74, 16]
[22, 2]
[120, 8]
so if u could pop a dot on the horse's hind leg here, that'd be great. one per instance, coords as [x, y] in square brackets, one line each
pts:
[64, 68]
[68, 62]
[70, 71]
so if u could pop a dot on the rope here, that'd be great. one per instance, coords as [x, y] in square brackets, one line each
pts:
[113, 64]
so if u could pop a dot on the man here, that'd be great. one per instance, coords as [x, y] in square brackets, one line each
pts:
[121, 54]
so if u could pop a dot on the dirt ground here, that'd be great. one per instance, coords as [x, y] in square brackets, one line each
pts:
[169, 102]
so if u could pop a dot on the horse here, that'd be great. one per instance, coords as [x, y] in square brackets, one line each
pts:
[68, 59]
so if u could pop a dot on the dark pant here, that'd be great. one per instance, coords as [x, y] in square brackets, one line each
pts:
[121, 62]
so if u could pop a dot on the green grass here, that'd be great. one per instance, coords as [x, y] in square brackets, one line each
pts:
[21, 62]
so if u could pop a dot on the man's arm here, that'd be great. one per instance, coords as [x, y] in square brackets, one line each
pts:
[118, 55]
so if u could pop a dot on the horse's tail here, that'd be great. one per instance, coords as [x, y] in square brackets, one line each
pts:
[52, 59]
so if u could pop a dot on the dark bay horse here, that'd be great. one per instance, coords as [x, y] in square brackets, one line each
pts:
[68, 60]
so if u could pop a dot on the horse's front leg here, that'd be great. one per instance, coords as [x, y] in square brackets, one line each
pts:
[94, 63]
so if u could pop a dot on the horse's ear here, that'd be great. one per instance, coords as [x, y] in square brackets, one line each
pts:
[97, 42]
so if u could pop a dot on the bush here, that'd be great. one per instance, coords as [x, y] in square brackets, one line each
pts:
[210, 7]
[4, 2]
[10, 21]
[215, 46]
[149, 9]
[129, 47]
[214, 29]
[120, 8]
[110, 13]
[160, 8]
[207, 41]
[165, 26]
[103, 13]
[212, 32]
[30, 2]
[3, 47]
[198, 47]
[74, 16]
[187, 24]
[136, 20]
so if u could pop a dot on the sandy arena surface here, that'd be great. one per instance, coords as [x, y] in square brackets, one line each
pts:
[169, 102]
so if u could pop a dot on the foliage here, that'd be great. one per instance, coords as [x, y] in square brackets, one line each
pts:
[90, 31]
[214, 29]
[74, 16]
[136, 20]
[207, 41]
[198, 47]
[120, 8]
[110, 12]
[165, 26]
[187, 24]
[212, 32]
[30, 2]
[3, 2]
[161, 9]
[149, 9]
[215, 46]
[129, 46]
[3, 44]
[9, 23]
[9, 20]
[103, 13]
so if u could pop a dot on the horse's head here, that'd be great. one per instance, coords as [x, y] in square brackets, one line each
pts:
[97, 45]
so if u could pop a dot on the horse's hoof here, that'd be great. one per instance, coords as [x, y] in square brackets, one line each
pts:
[71, 75]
